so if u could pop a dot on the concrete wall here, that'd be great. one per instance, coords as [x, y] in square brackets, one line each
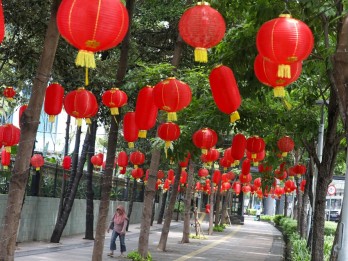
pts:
[38, 216]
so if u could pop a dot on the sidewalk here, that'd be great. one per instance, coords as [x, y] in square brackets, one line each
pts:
[254, 241]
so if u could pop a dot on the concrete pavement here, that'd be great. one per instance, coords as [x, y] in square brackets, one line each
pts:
[255, 240]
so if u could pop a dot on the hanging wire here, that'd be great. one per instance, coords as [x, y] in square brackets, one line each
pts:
[286, 10]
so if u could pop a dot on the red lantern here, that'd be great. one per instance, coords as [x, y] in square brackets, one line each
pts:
[145, 111]
[259, 157]
[255, 145]
[300, 169]
[168, 132]
[166, 185]
[183, 177]
[245, 179]
[20, 112]
[266, 73]
[97, 160]
[284, 40]
[246, 189]
[160, 174]
[236, 187]
[205, 139]
[238, 146]
[80, 104]
[225, 186]
[303, 185]
[9, 92]
[92, 27]
[285, 145]
[216, 177]
[137, 173]
[130, 129]
[257, 182]
[9, 136]
[278, 192]
[122, 160]
[5, 158]
[114, 99]
[231, 175]
[172, 95]
[37, 161]
[66, 162]
[207, 208]
[137, 158]
[225, 163]
[246, 167]
[211, 156]
[225, 91]
[171, 175]
[53, 100]
[202, 27]
[203, 173]
[280, 174]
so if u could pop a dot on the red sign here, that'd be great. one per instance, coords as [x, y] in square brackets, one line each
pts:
[331, 190]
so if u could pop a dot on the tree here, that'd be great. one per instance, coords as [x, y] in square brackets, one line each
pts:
[29, 125]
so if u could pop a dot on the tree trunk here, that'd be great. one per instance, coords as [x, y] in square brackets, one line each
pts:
[286, 205]
[224, 206]
[211, 214]
[130, 206]
[217, 204]
[35, 183]
[299, 196]
[106, 184]
[150, 191]
[29, 126]
[169, 212]
[61, 223]
[188, 197]
[304, 211]
[89, 233]
[163, 207]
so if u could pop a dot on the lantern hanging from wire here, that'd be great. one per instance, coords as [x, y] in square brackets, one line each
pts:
[255, 144]
[130, 129]
[172, 95]
[9, 93]
[225, 91]
[97, 160]
[92, 27]
[9, 136]
[114, 99]
[285, 145]
[5, 158]
[137, 158]
[66, 164]
[37, 161]
[202, 27]
[238, 147]
[205, 139]
[53, 100]
[168, 132]
[122, 160]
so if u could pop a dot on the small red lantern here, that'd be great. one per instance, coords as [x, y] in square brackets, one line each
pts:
[80, 104]
[236, 187]
[114, 99]
[66, 162]
[255, 145]
[137, 173]
[285, 145]
[246, 189]
[20, 112]
[225, 163]
[300, 169]
[9, 136]
[92, 27]
[284, 40]
[53, 100]
[5, 158]
[160, 174]
[172, 95]
[225, 186]
[238, 147]
[183, 177]
[97, 160]
[202, 27]
[37, 161]
[9, 92]
[303, 185]
[257, 182]
[231, 175]
[130, 129]
[203, 173]
[171, 175]
[168, 132]
[145, 111]
[211, 156]
[225, 91]
[166, 185]
[266, 73]
[246, 166]
[122, 160]
[216, 177]
[259, 157]
[205, 139]
[245, 179]
[137, 158]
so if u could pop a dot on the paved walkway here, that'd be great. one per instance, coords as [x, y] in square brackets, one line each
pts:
[253, 241]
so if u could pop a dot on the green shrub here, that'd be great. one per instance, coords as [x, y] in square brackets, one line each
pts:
[218, 228]
[266, 218]
[288, 225]
[277, 219]
[328, 242]
[330, 228]
[299, 250]
[251, 211]
[135, 256]
[179, 207]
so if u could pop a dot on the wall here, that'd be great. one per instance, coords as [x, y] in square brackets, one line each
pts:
[39, 215]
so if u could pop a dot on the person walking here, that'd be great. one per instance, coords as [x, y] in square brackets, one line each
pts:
[118, 226]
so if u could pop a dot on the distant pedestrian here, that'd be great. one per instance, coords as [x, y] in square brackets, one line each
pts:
[118, 226]
[258, 214]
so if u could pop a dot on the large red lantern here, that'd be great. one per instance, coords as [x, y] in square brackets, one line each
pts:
[255, 145]
[80, 104]
[9, 136]
[225, 91]
[168, 132]
[172, 95]
[137, 158]
[53, 100]
[266, 72]
[205, 139]
[5, 158]
[130, 129]
[92, 27]
[202, 27]
[285, 145]
[122, 160]
[37, 161]
[145, 111]
[9, 92]
[238, 147]
[284, 40]
[66, 164]
[114, 99]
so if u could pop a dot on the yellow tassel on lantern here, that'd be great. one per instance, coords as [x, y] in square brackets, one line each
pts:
[142, 134]
[234, 116]
[85, 59]
[79, 122]
[279, 91]
[8, 149]
[51, 118]
[201, 55]
[256, 163]
[5, 167]
[284, 71]
[37, 169]
[114, 111]
[236, 162]
[135, 166]
[172, 116]
[88, 121]
[284, 154]
[204, 151]
[131, 145]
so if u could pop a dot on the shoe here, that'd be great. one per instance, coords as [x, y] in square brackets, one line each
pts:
[122, 255]
[111, 254]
